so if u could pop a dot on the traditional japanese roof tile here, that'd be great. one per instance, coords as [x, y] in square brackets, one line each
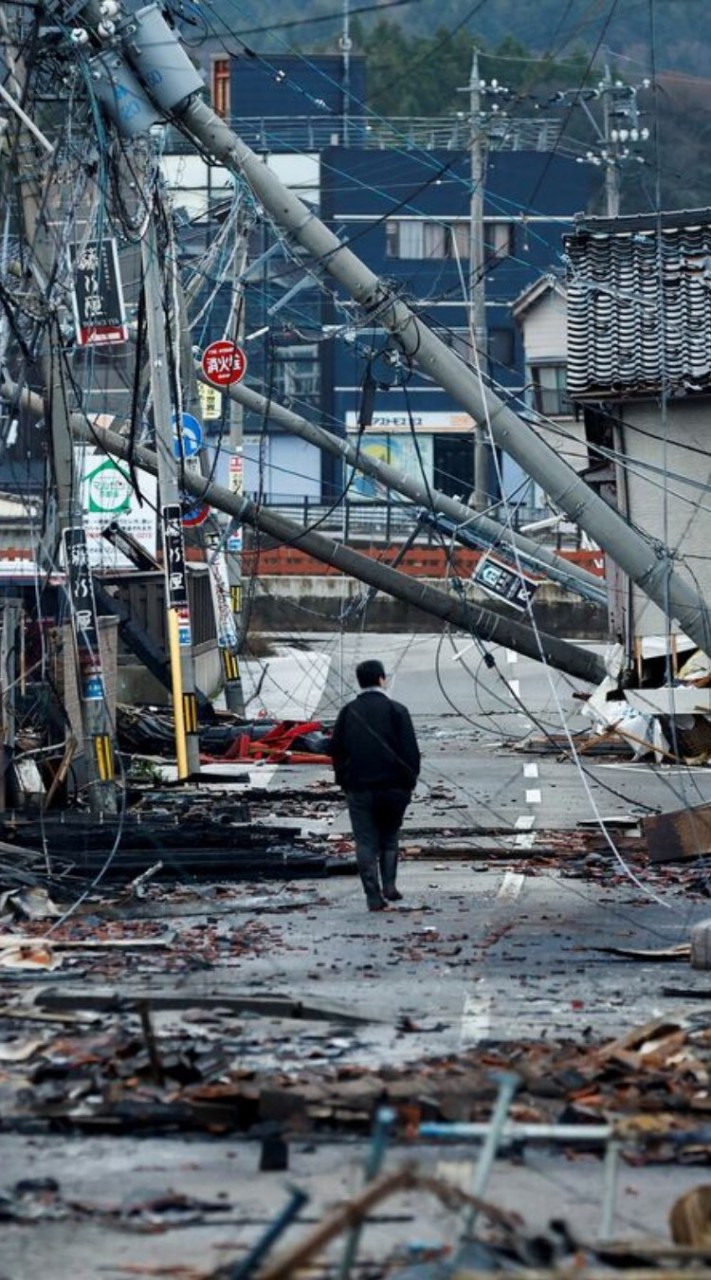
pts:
[639, 305]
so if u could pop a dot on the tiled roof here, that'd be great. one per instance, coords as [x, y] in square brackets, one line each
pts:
[639, 305]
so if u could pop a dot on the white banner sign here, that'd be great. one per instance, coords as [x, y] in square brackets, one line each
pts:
[107, 496]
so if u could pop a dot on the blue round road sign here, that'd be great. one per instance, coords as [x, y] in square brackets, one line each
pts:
[187, 442]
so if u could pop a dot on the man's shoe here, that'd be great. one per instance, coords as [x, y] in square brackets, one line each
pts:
[392, 895]
[380, 905]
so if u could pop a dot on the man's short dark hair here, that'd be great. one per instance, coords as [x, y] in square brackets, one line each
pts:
[368, 673]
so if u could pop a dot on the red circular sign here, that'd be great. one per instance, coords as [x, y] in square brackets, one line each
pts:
[223, 363]
[195, 515]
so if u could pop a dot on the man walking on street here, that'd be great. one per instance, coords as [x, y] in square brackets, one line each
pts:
[376, 761]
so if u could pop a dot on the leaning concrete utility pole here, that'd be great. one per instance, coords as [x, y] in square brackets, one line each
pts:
[477, 621]
[645, 560]
[487, 532]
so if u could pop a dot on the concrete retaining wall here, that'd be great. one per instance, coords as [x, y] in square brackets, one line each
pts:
[323, 603]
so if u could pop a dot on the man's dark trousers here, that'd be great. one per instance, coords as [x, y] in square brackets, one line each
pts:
[376, 844]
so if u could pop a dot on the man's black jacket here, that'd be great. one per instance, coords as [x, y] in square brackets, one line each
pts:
[373, 745]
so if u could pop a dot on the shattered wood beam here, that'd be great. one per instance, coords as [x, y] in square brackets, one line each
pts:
[348, 1215]
[471, 618]
[488, 532]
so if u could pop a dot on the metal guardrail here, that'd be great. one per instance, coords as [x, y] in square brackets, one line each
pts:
[313, 133]
[392, 522]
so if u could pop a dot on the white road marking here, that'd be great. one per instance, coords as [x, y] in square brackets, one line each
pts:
[511, 885]
[515, 687]
[511, 655]
[476, 1019]
[525, 821]
[530, 771]
[533, 796]
[525, 840]
[461, 652]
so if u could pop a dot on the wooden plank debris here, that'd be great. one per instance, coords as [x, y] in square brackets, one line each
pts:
[685, 833]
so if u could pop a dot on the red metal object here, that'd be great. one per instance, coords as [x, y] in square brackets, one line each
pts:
[276, 746]
[224, 363]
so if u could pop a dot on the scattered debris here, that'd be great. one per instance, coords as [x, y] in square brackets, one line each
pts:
[686, 833]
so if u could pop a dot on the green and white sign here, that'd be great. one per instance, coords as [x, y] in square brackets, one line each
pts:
[108, 491]
[108, 497]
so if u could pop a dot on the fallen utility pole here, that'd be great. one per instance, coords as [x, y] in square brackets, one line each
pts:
[483, 529]
[150, 51]
[477, 621]
[471, 618]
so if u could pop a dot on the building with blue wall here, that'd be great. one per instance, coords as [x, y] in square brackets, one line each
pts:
[406, 213]
[404, 205]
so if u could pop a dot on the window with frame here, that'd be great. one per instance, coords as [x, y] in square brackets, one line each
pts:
[550, 391]
[297, 373]
[221, 87]
[498, 239]
[424, 238]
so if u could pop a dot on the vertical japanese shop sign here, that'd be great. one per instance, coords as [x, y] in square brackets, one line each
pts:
[85, 621]
[236, 482]
[176, 580]
[99, 310]
[227, 637]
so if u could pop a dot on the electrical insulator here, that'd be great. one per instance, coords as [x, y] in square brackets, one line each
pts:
[79, 36]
